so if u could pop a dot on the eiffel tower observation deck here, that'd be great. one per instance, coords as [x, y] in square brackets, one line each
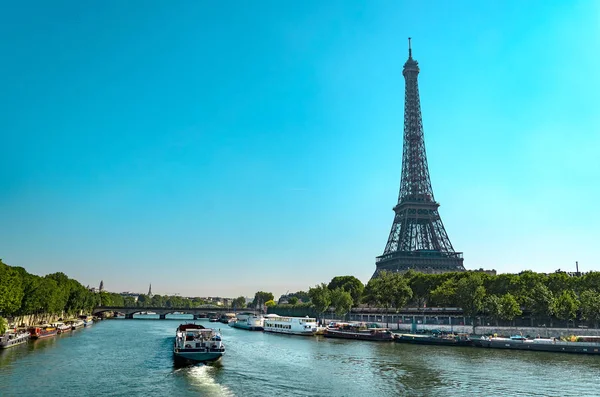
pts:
[418, 240]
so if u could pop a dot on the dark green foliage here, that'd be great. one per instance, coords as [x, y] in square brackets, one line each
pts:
[320, 297]
[293, 300]
[590, 306]
[509, 307]
[239, 303]
[349, 284]
[566, 305]
[11, 290]
[341, 300]
[260, 298]
[388, 290]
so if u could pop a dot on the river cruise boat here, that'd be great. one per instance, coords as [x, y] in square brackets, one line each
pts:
[359, 332]
[11, 339]
[249, 321]
[584, 345]
[43, 331]
[290, 325]
[196, 344]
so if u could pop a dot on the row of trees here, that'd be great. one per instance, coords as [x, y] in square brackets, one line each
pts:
[500, 297]
[22, 293]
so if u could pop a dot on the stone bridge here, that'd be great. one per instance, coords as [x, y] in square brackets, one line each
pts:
[197, 312]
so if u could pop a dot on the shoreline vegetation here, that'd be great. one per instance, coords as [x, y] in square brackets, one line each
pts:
[547, 300]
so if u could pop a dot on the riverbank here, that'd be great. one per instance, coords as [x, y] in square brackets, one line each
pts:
[491, 330]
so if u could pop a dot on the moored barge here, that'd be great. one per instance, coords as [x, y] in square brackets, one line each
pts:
[439, 339]
[41, 332]
[584, 346]
[359, 332]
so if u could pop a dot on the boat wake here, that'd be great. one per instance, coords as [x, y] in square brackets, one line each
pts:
[202, 379]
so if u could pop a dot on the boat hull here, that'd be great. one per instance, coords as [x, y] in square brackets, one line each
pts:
[45, 335]
[433, 340]
[558, 347]
[359, 336]
[247, 327]
[289, 332]
[196, 357]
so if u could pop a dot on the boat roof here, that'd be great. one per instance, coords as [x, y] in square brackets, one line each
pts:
[185, 327]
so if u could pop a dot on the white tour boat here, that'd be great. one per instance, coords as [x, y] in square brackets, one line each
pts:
[11, 339]
[290, 325]
[196, 344]
[249, 321]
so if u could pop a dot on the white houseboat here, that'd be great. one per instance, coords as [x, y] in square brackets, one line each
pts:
[249, 321]
[290, 325]
[196, 344]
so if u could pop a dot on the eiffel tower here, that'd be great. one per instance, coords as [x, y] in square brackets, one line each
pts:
[418, 240]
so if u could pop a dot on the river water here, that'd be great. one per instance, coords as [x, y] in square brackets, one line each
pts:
[134, 358]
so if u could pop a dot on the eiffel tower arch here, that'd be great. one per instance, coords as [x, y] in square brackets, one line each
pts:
[418, 239]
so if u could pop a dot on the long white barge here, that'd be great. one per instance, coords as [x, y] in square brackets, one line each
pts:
[290, 325]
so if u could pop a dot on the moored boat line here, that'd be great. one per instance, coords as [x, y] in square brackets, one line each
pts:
[290, 325]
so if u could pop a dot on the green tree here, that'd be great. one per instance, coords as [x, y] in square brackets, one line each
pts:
[387, 290]
[491, 307]
[129, 301]
[341, 300]
[470, 294]
[3, 325]
[540, 301]
[320, 297]
[590, 306]
[260, 298]
[293, 300]
[349, 284]
[239, 303]
[421, 285]
[270, 303]
[566, 305]
[11, 290]
[445, 294]
[509, 307]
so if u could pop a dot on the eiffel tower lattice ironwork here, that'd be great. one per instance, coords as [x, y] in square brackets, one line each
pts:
[418, 239]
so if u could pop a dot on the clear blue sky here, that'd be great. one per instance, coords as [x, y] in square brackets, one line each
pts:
[219, 148]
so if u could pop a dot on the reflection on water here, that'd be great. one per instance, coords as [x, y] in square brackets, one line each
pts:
[134, 358]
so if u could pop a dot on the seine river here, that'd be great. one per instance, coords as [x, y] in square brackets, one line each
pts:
[134, 358]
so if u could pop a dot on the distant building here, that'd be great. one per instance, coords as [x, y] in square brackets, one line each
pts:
[134, 295]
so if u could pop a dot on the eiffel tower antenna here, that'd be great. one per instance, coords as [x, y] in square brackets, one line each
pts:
[418, 239]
